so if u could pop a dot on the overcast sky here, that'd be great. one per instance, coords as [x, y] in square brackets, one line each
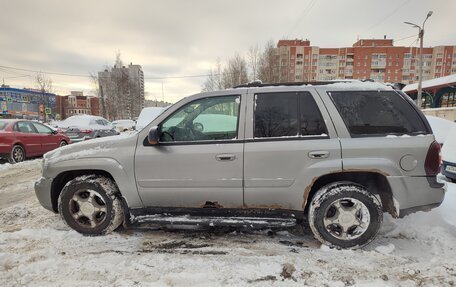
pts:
[184, 38]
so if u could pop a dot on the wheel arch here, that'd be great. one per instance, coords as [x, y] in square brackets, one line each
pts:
[374, 181]
[63, 178]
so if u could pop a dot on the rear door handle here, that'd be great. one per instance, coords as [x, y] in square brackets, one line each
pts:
[225, 157]
[319, 154]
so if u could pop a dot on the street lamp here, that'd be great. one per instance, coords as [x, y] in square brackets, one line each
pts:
[420, 35]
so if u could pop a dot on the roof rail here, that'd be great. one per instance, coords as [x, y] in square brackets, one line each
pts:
[315, 83]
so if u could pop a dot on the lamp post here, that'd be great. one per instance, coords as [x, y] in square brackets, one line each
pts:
[420, 35]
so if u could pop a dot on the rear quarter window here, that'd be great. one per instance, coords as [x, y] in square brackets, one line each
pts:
[377, 113]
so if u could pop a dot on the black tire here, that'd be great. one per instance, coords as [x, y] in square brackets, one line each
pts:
[17, 154]
[345, 215]
[90, 204]
[63, 143]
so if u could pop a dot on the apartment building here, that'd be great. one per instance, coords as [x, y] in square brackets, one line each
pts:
[376, 59]
[121, 92]
[77, 104]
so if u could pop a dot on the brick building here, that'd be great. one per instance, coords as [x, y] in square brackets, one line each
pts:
[77, 104]
[376, 59]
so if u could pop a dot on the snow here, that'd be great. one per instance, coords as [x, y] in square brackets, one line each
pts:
[447, 80]
[449, 147]
[440, 127]
[38, 249]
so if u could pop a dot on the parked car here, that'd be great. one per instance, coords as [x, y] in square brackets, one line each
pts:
[449, 155]
[440, 128]
[445, 134]
[84, 127]
[147, 115]
[124, 125]
[336, 155]
[21, 139]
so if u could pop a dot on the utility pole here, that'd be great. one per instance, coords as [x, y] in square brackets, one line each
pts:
[420, 35]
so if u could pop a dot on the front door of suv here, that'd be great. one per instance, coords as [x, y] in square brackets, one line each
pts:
[290, 142]
[199, 159]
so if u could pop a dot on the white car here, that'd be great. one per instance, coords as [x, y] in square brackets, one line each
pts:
[445, 134]
[83, 127]
[440, 127]
[147, 115]
[124, 125]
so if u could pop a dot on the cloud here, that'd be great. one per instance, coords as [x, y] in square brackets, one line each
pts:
[178, 38]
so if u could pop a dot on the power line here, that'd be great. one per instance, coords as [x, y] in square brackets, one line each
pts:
[416, 35]
[88, 76]
[387, 16]
[303, 13]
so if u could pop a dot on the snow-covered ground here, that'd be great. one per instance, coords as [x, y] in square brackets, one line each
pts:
[37, 249]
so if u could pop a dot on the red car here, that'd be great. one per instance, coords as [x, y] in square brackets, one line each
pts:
[21, 139]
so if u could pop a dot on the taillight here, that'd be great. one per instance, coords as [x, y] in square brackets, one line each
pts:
[433, 159]
[86, 131]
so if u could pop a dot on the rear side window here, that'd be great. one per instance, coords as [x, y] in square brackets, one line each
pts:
[287, 115]
[2, 125]
[372, 113]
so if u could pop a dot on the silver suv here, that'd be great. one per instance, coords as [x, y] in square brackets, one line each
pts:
[335, 156]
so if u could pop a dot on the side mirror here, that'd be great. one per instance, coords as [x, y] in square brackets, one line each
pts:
[153, 136]
[54, 132]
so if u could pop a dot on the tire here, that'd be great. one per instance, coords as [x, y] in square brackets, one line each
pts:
[345, 215]
[90, 205]
[63, 143]
[17, 154]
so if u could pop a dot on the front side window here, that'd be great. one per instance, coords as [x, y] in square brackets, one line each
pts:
[214, 118]
[373, 113]
[287, 115]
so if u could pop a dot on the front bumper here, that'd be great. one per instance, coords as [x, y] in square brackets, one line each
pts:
[449, 169]
[43, 192]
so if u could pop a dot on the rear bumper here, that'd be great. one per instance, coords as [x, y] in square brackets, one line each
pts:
[449, 169]
[416, 193]
[43, 192]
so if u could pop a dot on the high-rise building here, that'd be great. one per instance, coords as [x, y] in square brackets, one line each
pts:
[376, 59]
[121, 92]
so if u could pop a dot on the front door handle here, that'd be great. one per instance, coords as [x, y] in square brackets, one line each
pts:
[225, 157]
[319, 154]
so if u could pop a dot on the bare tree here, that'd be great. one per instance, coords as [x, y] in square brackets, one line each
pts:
[254, 56]
[214, 78]
[268, 70]
[235, 73]
[44, 85]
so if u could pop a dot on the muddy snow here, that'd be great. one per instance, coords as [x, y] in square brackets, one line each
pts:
[37, 249]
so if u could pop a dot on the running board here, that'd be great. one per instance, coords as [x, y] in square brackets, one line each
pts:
[206, 221]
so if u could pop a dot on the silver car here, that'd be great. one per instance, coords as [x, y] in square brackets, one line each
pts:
[84, 127]
[335, 156]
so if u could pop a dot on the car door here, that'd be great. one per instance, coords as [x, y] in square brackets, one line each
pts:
[29, 137]
[48, 139]
[199, 159]
[290, 142]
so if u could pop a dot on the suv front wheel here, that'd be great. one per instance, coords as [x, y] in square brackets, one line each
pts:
[345, 214]
[89, 204]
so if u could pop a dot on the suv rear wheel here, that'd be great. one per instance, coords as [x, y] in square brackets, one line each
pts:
[345, 214]
[89, 204]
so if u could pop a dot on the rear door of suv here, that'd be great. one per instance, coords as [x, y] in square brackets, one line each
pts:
[290, 142]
